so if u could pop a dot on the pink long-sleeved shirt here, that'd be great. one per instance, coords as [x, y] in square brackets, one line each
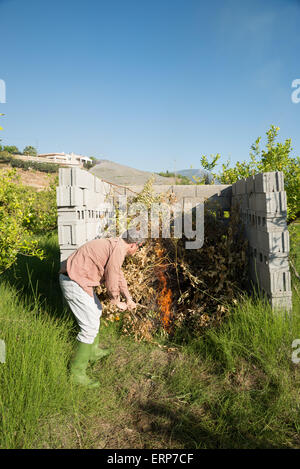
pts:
[98, 260]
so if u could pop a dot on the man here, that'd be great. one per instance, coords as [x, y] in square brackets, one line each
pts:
[94, 262]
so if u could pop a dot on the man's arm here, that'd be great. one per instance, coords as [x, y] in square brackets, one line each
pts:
[123, 286]
[124, 290]
[112, 276]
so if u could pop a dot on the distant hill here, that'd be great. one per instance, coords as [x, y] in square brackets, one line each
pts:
[125, 175]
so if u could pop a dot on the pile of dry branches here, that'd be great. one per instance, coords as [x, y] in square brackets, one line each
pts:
[202, 282]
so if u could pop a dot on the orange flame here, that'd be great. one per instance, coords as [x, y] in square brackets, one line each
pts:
[165, 298]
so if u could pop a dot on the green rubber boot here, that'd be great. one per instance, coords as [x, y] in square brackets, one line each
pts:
[79, 365]
[98, 353]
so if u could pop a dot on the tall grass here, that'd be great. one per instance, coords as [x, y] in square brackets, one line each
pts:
[34, 378]
[39, 333]
[253, 332]
[234, 387]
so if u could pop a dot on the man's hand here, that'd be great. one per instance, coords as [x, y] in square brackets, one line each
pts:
[130, 304]
[120, 304]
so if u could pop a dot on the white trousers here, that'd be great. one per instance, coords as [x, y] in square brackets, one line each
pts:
[87, 310]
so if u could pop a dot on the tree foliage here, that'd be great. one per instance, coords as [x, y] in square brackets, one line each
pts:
[11, 149]
[30, 150]
[15, 237]
[276, 157]
[40, 208]
[15, 162]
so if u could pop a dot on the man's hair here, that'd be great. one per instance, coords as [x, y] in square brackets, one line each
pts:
[133, 236]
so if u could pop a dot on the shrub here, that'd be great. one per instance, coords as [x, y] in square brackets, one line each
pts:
[276, 157]
[29, 150]
[14, 236]
[41, 209]
[11, 149]
[6, 157]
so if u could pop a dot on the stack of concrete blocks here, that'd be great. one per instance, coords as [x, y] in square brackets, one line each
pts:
[263, 206]
[84, 206]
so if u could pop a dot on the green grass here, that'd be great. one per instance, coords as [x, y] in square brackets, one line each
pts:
[294, 230]
[34, 379]
[235, 387]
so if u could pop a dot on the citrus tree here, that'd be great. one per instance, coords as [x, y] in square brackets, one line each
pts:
[276, 157]
[40, 209]
[15, 237]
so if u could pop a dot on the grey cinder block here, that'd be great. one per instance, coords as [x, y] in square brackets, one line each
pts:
[102, 187]
[250, 184]
[283, 302]
[82, 178]
[209, 190]
[264, 221]
[269, 182]
[66, 214]
[270, 202]
[277, 281]
[241, 201]
[76, 177]
[97, 184]
[90, 198]
[72, 247]
[181, 191]
[188, 203]
[158, 189]
[240, 186]
[274, 241]
[268, 224]
[69, 196]
[92, 229]
[273, 280]
[64, 176]
[72, 233]
[65, 253]
[277, 261]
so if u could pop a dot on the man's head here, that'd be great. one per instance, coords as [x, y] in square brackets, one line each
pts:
[133, 239]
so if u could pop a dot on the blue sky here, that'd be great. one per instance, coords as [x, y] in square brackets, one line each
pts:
[153, 84]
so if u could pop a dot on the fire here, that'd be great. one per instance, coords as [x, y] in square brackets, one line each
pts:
[165, 298]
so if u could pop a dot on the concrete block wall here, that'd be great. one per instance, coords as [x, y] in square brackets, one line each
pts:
[85, 206]
[262, 203]
[217, 196]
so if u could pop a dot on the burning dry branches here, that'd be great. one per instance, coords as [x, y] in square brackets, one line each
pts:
[182, 288]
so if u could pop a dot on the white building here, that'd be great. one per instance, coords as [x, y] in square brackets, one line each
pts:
[67, 158]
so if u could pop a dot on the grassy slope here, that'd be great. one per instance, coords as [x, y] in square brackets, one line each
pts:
[32, 178]
[236, 387]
